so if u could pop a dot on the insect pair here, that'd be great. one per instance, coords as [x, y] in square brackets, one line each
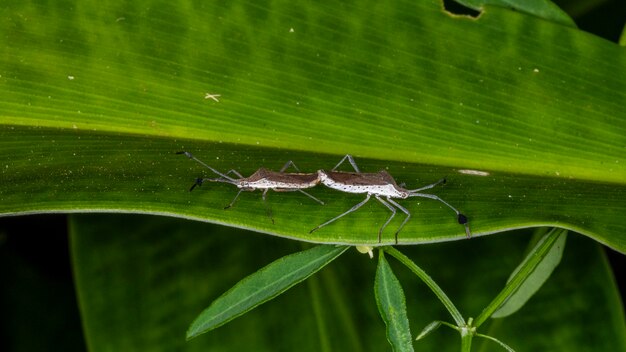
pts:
[380, 184]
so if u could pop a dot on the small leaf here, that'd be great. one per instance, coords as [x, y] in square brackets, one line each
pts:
[428, 329]
[263, 285]
[523, 273]
[392, 306]
[537, 276]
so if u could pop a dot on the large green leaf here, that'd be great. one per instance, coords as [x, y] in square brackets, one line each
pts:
[97, 97]
[142, 280]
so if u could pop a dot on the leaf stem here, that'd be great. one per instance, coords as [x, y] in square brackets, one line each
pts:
[456, 315]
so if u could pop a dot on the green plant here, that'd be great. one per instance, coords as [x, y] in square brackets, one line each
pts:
[98, 97]
[286, 272]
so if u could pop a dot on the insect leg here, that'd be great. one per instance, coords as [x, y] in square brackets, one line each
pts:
[443, 180]
[393, 213]
[351, 160]
[298, 190]
[268, 210]
[346, 213]
[462, 219]
[310, 196]
[408, 216]
[234, 172]
[200, 181]
[289, 163]
[233, 202]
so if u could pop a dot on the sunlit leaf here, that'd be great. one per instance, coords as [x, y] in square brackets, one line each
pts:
[524, 116]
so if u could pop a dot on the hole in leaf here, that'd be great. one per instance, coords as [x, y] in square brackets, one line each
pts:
[457, 9]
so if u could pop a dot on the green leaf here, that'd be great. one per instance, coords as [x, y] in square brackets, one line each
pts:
[528, 277]
[392, 306]
[545, 263]
[263, 285]
[97, 97]
[142, 279]
[581, 268]
[428, 329]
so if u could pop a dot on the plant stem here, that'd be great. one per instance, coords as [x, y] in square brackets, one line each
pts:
[456, 315]
[466, 340]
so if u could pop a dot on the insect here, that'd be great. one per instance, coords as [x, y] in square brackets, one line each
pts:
[383, 187]
[262, 179]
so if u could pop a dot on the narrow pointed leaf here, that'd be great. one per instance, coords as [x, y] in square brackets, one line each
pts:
[428, 329]
[550, 249]
[263, 285]
[392, 306]
[537, 276]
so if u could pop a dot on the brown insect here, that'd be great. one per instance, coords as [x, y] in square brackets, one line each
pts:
[383, 187]
[263, 179]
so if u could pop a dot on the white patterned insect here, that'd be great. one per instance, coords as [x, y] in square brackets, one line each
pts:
[383, 187]
[262, 179]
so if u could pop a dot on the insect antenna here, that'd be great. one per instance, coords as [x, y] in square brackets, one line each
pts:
[200, 181]
[224, 176]
[442, 181]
